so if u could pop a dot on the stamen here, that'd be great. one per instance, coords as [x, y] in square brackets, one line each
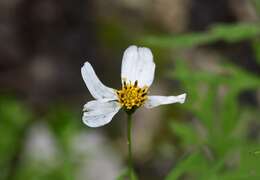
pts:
[131, 96]
[136, 82]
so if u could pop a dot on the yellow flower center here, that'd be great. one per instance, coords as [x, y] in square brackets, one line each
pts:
[131, 96]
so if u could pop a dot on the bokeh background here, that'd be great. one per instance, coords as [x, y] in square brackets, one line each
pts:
[206, 48]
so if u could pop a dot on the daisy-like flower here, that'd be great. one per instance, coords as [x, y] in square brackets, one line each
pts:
[137, 74]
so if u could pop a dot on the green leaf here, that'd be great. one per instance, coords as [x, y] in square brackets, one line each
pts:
[64, 123]
[235, 32]
[186, 165]
[185, 132]
[224, 32]
[123, 175]
[14, 120]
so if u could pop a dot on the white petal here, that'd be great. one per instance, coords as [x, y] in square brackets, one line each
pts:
[154, 101]
[98, 113]
[137, 64]
[94, 85]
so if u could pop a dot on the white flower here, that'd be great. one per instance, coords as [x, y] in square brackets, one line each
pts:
[137, 74]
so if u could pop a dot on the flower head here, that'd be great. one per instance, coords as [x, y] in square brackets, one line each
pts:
[137, 74]
[131, 96]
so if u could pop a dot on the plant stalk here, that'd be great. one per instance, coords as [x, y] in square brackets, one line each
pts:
[129, 143]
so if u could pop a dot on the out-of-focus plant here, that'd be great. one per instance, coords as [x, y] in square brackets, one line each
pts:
[230, 33]
[256, 4]
[215, 142]
[62, 123]
[14, 118]
[256, 47]
[222, 147]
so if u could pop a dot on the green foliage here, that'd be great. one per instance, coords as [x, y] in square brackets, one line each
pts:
[185, 131]
[124, 174]
[37, 171]
[230, 33]
[256, 47]
[191, 163]
[63, 122]
[14, 118]
[218, 134]
[15, 121]
[221, 116]
[256, 4]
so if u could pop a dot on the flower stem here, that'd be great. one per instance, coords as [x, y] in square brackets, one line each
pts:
[129, 143]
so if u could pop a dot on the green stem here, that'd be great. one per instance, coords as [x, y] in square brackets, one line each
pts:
[129, 143]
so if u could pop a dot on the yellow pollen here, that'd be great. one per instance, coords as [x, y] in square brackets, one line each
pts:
[132, 96]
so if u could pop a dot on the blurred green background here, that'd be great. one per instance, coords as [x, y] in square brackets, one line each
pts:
[208, 49]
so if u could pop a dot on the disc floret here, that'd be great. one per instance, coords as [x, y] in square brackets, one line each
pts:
[131, 96]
